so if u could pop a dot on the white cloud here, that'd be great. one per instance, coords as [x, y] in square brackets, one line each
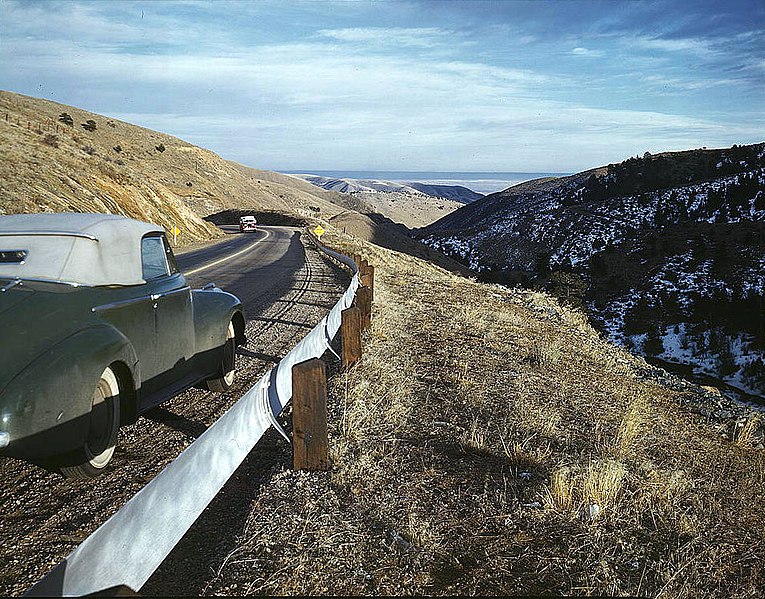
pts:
[579, 51]
[424, 37]
[700, 47]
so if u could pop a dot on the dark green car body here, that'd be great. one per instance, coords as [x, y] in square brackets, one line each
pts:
[157, 335]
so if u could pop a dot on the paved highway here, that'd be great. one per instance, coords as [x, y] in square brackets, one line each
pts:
[286, 287]
[249, 265]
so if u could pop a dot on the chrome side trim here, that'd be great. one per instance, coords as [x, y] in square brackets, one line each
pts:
[20, 281]
[173, 292]
[134, 300]
[127, 302]
[49, 234]
[11, 284]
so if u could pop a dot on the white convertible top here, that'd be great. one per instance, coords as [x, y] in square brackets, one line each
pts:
[87, 249]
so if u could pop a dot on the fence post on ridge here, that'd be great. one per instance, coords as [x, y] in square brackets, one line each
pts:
[367, 276]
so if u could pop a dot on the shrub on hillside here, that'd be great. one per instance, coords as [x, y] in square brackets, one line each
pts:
[51, 140]
[754, 373]
[90, 125]
[654, 345]
[568, 287]
[66, 119]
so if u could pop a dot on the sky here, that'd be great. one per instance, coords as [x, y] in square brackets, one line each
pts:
[534, 86]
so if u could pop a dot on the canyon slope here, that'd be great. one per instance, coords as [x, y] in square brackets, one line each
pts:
[666, 252]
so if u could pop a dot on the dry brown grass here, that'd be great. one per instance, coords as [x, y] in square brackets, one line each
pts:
[490, 442]
[746, 433]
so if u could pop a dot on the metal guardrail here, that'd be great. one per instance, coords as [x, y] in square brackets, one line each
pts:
[127, 549]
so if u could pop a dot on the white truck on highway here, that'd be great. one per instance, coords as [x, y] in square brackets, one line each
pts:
[247, 223]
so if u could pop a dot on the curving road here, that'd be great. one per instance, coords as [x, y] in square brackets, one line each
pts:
[286, 287]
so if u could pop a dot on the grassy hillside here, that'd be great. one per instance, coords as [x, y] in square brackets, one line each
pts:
[491, 442]
[58, 158]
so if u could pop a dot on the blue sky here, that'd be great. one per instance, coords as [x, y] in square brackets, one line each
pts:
[556, 86]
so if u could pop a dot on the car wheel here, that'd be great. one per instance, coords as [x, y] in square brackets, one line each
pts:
[101, 439]
[225, 377]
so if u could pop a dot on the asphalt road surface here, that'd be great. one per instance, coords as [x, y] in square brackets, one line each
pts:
[286, 287]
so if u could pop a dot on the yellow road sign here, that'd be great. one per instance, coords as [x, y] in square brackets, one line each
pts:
[319, 230]
[175, 230]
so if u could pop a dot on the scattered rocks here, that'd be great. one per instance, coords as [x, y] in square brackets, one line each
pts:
[717, 408]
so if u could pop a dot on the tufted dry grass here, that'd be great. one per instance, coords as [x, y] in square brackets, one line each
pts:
[491, 443]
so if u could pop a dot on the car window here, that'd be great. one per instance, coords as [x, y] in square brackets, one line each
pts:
[170, 257]
[153, 257]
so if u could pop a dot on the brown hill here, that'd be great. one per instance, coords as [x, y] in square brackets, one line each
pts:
[57, 158]
[490, 442]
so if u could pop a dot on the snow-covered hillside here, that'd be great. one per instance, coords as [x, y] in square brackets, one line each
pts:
[666, 251]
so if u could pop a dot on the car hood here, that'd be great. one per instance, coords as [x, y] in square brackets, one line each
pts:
[32, 319]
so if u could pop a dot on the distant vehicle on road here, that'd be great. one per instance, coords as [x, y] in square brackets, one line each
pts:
[98, 326]
[247, 223]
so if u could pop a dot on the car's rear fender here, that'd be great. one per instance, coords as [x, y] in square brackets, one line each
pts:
[45, 408]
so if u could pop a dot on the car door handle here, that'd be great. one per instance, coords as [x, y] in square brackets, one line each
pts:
[156, 296]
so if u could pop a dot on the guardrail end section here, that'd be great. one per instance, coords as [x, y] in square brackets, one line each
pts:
[54, 584]
[310, 442]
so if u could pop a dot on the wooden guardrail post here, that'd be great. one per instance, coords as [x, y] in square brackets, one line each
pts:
[367, 276]
[364, 303]
[351, 335]
[310, 444]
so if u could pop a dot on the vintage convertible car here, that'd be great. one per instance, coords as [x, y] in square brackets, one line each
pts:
[97, 326]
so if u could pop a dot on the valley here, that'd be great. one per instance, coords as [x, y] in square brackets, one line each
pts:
[411, 204]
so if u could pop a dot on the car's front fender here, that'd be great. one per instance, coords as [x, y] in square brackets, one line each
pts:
[45, 408]
[213, 310]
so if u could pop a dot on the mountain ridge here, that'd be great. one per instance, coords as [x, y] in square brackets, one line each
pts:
[458, 193]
